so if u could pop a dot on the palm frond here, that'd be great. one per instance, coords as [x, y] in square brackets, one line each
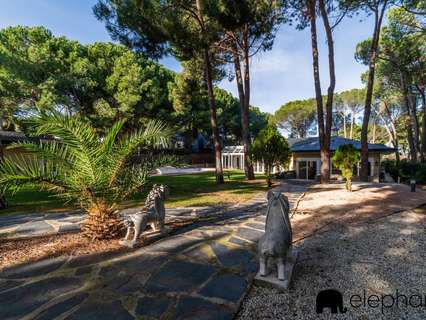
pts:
[46, 150]
[21, 170]
[71, 130]
[131, 180]
[77, 134]
[156, 135]
[111, 137]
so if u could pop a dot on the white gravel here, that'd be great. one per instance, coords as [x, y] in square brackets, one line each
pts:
[379, 258]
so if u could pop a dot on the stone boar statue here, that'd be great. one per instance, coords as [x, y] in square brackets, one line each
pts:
[276, 242]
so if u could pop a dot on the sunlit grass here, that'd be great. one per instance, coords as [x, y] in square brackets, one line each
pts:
[185, 190]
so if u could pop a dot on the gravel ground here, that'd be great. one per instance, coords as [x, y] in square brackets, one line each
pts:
[378, 257]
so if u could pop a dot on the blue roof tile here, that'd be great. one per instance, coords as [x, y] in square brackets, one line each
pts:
[312, 145]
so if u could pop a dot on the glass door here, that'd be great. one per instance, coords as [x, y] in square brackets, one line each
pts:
[302, 170]
[312, 170]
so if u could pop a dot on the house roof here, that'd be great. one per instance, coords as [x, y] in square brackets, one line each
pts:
[312, 145]
[233, 149]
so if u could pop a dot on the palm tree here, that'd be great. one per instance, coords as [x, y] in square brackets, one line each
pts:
[80, 165]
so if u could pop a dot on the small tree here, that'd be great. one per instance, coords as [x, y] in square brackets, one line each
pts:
[346, 157]
[272, 149]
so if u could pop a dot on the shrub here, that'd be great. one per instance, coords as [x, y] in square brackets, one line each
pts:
[271, 148]
[406, 170]
[346, 157]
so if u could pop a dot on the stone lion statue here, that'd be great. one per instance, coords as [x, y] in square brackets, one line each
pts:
[276, 242]
[153, 213]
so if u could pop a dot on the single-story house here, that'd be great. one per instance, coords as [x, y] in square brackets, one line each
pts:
[305, 157]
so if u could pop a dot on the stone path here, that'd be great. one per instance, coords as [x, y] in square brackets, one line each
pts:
[37, 224]
[203, 272]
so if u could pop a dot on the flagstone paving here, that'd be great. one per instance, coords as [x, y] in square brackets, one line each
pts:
[37, 224]
[202, 271]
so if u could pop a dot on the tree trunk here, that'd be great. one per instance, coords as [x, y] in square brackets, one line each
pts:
[409, 128]
[325, 154]
[409, 120]
[213, 117]
[331, 87]
[423, 97]
[396, 146]
[415, 121]
[352, 124]
[394, 133]
[244, 96]
[212, 102]
[268, 175]
[392, 138]
[344, 122]
[374, 131]
[378, 17]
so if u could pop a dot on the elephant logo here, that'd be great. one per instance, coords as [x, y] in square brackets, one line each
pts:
[332, 299]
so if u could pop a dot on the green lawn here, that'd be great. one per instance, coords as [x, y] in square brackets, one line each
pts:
[185, 190]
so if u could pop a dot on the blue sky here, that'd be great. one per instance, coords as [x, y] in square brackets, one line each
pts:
[278, 76]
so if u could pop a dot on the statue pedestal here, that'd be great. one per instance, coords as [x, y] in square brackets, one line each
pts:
[271, 279]
[147, 237]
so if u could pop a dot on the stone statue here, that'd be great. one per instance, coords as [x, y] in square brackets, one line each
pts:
[276, 243]
[153, 213]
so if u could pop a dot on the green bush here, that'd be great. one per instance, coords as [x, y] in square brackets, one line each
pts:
[406, 170]
[272, 149]
[420, 175]
[345, 158]
[391, 168]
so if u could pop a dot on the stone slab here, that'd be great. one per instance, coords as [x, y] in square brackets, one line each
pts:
[179, 276]
[228, 287]
[152, 307]
[101, 310]
[249, 234]
[35, 228]
[20, 301]
[192, 308]
[231, 257]
[33, 269]
[61, 307]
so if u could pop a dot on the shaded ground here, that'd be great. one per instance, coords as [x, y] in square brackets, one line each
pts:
[367, 241]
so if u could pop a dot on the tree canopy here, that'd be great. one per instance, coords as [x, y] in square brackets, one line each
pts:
[102, 81]
[296, 117]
